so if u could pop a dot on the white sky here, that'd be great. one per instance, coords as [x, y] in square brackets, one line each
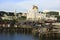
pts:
[24, 5]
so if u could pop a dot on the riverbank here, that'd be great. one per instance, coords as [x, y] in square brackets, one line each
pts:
[19, 29]
[35, 28]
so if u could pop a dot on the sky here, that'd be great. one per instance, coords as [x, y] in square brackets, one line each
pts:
[25, 5]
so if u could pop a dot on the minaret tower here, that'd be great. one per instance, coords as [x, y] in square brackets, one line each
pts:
[15, 12]
[35, 9]
[15, 15]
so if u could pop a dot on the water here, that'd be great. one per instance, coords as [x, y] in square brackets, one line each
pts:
[17, 36]
[20, 36]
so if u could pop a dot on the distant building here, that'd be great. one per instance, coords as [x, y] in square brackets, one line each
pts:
[8, 16]
[34, 14]
[24, 14]
[51, 15]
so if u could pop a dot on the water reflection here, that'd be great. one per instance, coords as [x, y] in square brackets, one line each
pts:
[16, 36]
[21, 36]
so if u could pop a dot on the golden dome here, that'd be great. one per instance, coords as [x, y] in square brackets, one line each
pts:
[35, 7]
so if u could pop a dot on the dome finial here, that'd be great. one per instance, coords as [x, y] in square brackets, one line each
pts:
[34, 6]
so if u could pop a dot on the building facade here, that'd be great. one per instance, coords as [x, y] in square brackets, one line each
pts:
[34, 14]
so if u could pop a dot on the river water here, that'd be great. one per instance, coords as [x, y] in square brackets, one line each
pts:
[17, 36]
[20, 36]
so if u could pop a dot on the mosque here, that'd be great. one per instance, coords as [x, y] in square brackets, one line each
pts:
[34, 14]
